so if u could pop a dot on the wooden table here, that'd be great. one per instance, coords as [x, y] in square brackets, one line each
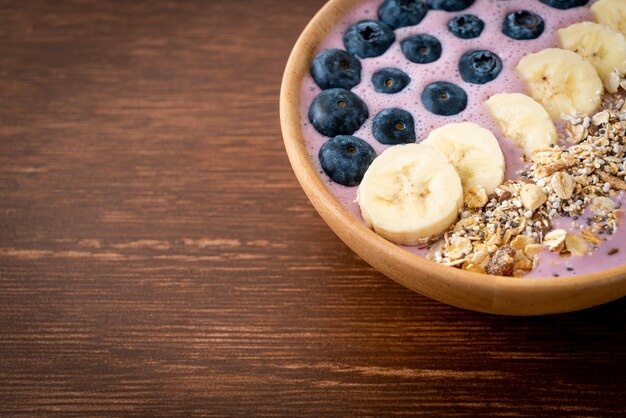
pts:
[158, 258]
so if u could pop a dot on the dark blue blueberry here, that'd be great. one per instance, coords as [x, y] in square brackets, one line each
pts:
[479, 66]
[466, 26]
[394, 126]
[450, 5]
[336, 68]
[337, 112]
[401, 13]
[345, 159]
[390, 80]
[421, 49]
[565, 4]
[443, 98]
[368, 38]
[523, 24]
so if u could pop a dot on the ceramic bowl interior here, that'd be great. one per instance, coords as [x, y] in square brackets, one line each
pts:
[474, 291]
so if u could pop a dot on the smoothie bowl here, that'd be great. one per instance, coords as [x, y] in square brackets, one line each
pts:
[473, 151]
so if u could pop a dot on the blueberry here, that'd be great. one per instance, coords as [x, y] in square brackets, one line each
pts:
[479, 66]
[336, 68]
[337, 112]
[345, 159]
[466, 26]
[390, 80]
[401, 13]
[565, 4]
[443, 98]
[394, 126]
[523, 24]
[421, 48]
[450, 5]
[368, 38]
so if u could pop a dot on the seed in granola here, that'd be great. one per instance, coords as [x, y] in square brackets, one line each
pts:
[459, 248]
[614, 182]
[576, 245]
[563, 185]
[613, 251]
[532, 250]
[591, 237]
[435, 249]
[523, 266]
[521, 241]
[555, 240]
[532, 196]
[576, 133]
[477, 268]
[475, 197]
[601, 118]
[602, 205]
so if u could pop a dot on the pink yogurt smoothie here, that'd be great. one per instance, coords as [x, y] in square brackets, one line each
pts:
[492, 12]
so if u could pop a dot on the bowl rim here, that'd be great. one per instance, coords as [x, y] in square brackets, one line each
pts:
[393, 258]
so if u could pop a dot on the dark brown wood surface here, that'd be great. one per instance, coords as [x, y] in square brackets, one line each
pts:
[158, 258]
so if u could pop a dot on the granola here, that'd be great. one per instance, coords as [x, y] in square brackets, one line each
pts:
[504, 233]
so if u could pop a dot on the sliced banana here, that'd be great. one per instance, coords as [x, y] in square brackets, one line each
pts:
[561, 81]
[611, 13]
[522, 120]
[473, 151]
[410, 192]
[603, 47]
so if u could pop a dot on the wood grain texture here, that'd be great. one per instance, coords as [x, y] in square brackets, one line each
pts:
[158, 258]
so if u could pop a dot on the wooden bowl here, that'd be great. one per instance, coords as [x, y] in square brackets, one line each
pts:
[475, 291]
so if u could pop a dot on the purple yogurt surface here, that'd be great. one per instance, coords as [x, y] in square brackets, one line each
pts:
[492, 12]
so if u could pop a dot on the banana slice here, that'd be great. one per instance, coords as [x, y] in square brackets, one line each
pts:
[410, 192]
[473, 151]
[561, 81]
[611, 13]
[522, 120]
[603, 47]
